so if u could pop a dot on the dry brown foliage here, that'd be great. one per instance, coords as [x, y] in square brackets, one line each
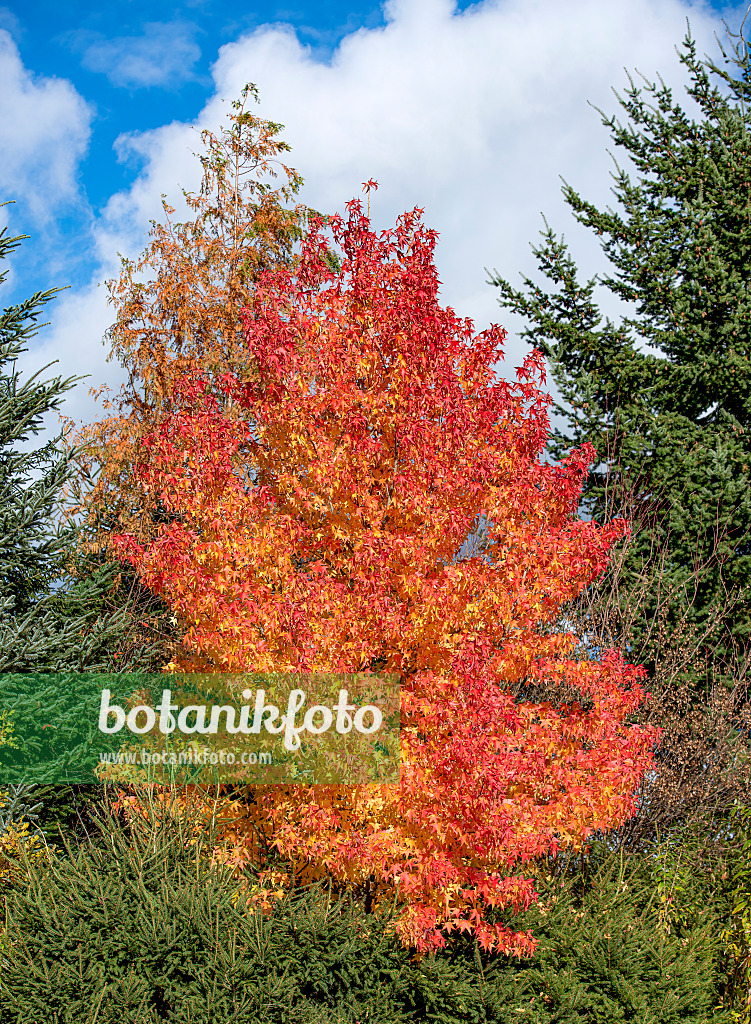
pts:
[699, 697]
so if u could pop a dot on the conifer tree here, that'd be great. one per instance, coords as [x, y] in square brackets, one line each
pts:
[664, 394]
[53, 598]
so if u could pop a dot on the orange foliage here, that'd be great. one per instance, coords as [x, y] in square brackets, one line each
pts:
[177, 306]
[321, 531]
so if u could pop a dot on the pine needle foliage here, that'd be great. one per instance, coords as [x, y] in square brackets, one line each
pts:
[140, 927]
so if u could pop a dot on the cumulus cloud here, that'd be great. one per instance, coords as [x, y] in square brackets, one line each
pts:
[44, 134]
[163, 55]
[473, 116]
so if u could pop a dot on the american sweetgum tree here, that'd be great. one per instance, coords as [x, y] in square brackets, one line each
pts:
[325, 530]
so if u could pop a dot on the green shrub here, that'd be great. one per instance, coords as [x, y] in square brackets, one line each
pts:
[140, 927]
[603, 956]
[137, 927]
[737, 935]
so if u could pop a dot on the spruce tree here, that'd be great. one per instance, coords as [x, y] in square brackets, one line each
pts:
[63, 604]
[664, 393]
[55, 607]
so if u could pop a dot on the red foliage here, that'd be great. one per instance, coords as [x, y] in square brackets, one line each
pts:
[319, 532]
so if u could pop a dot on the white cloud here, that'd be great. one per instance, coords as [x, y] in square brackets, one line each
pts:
[169, 166]
[473, 116]
[163, 55]
[44, 134]
[9, 21]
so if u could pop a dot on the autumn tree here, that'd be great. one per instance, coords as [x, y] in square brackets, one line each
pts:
[319, 532]
[178, 307]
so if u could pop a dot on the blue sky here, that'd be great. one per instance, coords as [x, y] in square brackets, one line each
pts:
[145, 64]
[471, 111]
